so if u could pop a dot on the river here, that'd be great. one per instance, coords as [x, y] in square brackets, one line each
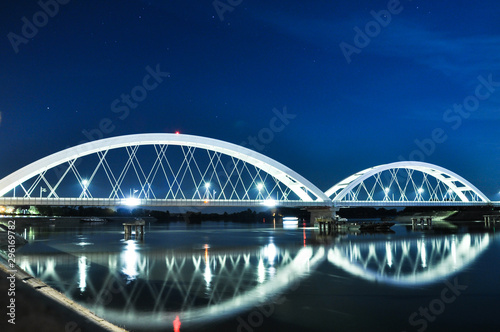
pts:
[225, 276]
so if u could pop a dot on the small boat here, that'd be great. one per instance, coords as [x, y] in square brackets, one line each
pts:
[348, 226]
[94, 220]
[376, 227]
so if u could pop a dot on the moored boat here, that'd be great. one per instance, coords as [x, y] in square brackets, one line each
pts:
[372, 226]
[94, 220]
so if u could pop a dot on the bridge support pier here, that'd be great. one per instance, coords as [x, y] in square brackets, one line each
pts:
[321, 212]
[490, 220]
[139, 229]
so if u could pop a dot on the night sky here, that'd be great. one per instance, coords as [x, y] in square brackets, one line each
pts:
[349, 84]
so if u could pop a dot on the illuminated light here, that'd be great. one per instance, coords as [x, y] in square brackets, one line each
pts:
[131, 201]
[270, 253]
[207, 274]
[207, 185]
[205, 201]
[82, 272]
[388, 251]
[130, 257]
[261, 272]
[290, 221]
[423, 255]
[206, 253]
[177, 132]
[269, 202]
[420, 190]
[177, 324]
[85, 182]
[272, 272]
[386, 190]
[260, 186]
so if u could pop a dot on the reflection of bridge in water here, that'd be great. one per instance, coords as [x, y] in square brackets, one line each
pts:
[409, 262]
[153, 287]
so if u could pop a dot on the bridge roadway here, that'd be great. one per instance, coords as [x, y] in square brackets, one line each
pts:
[158, 202]
[16, 201]
[340, 204]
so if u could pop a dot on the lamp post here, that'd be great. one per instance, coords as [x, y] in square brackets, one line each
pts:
[386, 192]
[420, 192]
[207, 192]
[85, 183]
[260, 186]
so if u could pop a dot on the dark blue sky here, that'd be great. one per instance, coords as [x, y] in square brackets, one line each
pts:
[398, 88]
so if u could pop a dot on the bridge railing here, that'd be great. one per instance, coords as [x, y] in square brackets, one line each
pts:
[156, 202]
[410, 203]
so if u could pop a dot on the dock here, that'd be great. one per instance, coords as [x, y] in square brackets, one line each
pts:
[325, 225]
[139, 228]
[491, 219]
[422, 221]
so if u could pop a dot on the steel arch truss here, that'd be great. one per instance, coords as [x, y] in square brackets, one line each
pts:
[159, 169]
[403, 183]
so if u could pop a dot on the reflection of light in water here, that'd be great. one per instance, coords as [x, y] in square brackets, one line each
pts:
[130, 257]
[419, 261]
[423, 254]
[286, 276]
[207, 274]
[270, 253]
[272, 272]
[261, 272]
[82, 272]
[454, 252]
[388, 252]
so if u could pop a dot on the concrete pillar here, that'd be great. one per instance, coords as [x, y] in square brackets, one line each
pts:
[320, 212]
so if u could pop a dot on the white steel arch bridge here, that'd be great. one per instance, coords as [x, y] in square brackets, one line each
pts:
[406, 183]
[159, 170]
[187, 170]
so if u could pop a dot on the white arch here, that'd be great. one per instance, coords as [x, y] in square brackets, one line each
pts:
[340, 190]
[298, 184]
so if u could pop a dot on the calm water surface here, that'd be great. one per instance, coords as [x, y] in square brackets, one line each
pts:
[236, 277]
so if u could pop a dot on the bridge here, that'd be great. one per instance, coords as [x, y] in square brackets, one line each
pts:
[186, 170]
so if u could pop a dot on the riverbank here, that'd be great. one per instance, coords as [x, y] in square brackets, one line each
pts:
[41, 308]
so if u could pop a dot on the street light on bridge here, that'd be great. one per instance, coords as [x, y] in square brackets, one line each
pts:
[260, 186]
[207, 189]
[420, 191]
[85, 183]
[386, 192]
